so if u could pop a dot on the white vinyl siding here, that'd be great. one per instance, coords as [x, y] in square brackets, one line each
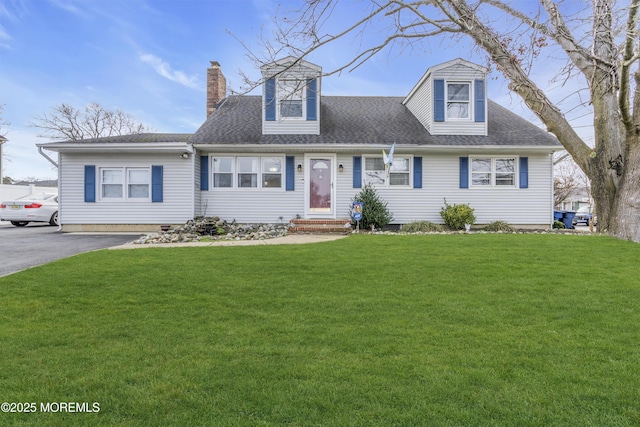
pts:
[178, 200]
[291, 127]
[440, 180]
[257, 205]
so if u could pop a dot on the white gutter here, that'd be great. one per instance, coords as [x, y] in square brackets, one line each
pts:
[127, 147]
[369, 148]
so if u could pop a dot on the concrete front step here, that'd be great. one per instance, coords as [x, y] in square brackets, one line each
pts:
[319, 226]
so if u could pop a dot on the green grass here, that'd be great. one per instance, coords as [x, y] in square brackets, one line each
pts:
[523, 330]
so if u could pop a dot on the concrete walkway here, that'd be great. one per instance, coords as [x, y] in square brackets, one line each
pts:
[291, 239]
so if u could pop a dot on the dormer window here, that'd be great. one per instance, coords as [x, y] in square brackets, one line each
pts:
[458, 100]
[290, 97]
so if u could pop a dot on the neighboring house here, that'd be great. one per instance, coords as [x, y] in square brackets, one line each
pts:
[294, 153]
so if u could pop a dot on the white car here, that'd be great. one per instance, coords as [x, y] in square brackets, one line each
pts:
[32, 208]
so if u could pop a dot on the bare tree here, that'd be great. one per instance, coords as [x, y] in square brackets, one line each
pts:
[599, 42]
[65, 122]
[3, 123]
[567, 182]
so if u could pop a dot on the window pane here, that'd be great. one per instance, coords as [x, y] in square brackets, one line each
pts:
[400, 164]
[481, 179]
[505, 171]
[223, 164]
[458, 92]
[112, 176]
[291, 108]
[290, 96]
[271, 165]
[137, 191]
[138, 176]
[506, 165]
[247, 180]
[457, 110]
[270, 180]
[247, 165]
[373, 164]
[112, 183]
[481, 165]
[290, 89]
[505, 179]
[375, 177]
[399, 178]
[112, 191]
[223, 180]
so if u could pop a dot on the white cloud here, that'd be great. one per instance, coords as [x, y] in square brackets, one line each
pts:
[164, 69]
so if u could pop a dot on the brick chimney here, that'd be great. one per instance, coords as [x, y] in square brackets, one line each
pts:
[216, 87]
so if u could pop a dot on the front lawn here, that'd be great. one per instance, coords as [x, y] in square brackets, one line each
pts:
[523, 330]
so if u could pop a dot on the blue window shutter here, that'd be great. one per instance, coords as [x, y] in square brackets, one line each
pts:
[204, 173]
[479, 97]
[524, 172]
[290, 172]
[464, 172]
[438, 100]
[312, 90]
[357, 172]
[89, 183]
[417, 172]
[270, 100]
[156, 183]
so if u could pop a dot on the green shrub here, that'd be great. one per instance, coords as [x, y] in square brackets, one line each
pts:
[456, 216]
[374, 211]
[558, 224]
[500, 226]
[421, 226]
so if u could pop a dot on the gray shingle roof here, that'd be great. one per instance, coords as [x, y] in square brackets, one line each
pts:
[149, 138]
[363, 120]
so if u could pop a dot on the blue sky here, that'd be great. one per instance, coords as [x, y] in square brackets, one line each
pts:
[149, 58]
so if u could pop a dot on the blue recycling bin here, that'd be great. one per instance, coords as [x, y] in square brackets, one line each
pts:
[566, 217]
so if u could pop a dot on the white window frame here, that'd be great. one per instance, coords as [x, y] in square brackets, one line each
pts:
[493, 172]
[382, 174]
[259, 172]
[214, 172]
[264, 172]
[282, 93]
[254, 171]
[124, 184]
[468, 101]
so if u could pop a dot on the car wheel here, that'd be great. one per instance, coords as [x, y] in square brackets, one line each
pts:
[54, 219]
[19, 223]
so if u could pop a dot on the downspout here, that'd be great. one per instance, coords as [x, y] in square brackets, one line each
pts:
[42, 153]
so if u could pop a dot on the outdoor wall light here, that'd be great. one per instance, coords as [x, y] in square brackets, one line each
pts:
[299, 168]
[184, 155]
[340, 168]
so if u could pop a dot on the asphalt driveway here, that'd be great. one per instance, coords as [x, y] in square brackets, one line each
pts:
[37, 244]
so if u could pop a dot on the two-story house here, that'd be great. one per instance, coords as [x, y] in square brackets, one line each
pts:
[293, 153]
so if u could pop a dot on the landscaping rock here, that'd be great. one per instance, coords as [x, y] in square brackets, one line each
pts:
[214, 228]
